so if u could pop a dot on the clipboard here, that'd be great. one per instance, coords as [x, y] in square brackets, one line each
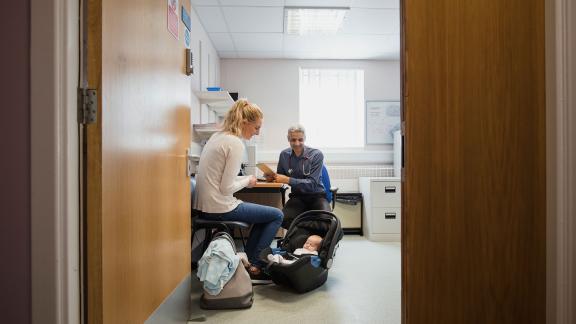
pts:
[265, 169]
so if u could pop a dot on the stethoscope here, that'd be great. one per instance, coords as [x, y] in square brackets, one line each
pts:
[305, 158]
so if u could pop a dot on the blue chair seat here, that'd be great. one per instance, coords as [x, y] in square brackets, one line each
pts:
[330, 191]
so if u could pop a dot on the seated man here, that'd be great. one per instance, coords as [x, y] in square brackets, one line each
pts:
[301, 167]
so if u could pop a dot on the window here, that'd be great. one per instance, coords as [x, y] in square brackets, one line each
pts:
[332, 107]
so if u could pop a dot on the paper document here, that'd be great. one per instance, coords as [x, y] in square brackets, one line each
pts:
[265, 169]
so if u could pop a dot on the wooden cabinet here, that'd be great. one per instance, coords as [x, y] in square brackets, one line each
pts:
[382, 206]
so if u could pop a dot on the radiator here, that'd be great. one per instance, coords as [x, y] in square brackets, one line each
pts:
[354, 172]
[346, 177]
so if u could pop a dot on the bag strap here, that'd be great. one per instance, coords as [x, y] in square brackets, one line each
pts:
[225, 236]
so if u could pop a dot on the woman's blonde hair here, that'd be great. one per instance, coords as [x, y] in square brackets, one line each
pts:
[242, 111]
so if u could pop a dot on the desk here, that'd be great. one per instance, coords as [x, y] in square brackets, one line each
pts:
[265, 193]
[266, 187]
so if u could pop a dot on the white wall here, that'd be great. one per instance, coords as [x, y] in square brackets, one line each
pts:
[206, 73]
[273, 85]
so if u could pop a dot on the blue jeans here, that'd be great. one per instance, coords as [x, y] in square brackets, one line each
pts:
[265, 222]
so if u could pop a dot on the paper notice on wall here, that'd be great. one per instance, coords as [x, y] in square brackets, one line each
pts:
[172, 17]
[382, 119]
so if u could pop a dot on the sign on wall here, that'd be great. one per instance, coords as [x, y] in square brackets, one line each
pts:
[186, 38]
[382, 119]
[186, 19]
[172, 17]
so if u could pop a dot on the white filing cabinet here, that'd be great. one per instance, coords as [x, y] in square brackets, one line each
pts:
[382, 205]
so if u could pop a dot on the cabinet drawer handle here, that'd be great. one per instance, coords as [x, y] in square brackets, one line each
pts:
[390, 215]
[390, 189]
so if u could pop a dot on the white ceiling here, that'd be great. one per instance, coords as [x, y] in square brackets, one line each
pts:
[255, 29]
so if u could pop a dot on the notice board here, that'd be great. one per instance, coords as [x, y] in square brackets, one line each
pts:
[382, 119]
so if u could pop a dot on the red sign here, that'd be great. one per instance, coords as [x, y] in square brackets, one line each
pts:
[173, 17]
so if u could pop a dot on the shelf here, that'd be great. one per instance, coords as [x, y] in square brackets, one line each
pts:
[220, 110]
[217, 101]
[205, 130]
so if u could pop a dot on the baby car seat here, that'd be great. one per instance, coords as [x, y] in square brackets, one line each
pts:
[308, 272]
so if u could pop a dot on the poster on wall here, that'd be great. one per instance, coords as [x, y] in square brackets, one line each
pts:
[186, 19]
[186, 38]
[382, 120]
[172, 17]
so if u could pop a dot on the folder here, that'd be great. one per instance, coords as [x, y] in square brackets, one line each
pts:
[265, 169]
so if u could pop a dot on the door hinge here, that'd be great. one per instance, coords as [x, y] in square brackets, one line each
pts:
[87, 106]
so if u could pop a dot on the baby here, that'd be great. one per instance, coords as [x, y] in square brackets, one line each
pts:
[311, 246]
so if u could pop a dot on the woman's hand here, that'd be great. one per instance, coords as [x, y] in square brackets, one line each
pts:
[252, 181]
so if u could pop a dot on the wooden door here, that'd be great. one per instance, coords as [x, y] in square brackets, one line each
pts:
[474, 203]
[138, 198]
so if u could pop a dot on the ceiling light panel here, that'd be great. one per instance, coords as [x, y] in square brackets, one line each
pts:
[313, 21]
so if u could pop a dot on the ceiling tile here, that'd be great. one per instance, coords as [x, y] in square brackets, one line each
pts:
[254, 19]
[226, 54]
[254, 29]
[204, 3]
[260, 54]
[381, 4]
[222, 41]
[211, 19]
[258, 42]
[342, 46]
[314, 43]
[348, 54]
[372, 21]
[318, 3]
[253, 3]
[308, 55]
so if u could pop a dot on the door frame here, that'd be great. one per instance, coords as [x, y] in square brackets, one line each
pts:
[561, 158]
[54, 164]
[55, 268]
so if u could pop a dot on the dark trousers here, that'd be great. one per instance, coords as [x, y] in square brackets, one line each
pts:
[297, 204]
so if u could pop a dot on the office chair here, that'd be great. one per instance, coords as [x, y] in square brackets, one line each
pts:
[330, 191]
[209, 226]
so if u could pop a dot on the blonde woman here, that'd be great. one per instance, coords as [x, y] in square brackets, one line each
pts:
[217, 180]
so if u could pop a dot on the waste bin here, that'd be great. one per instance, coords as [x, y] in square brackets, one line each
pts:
[348, 209]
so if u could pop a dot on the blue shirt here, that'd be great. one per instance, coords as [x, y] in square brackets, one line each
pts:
[305, 171]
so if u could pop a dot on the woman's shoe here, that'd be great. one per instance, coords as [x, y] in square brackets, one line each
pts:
[258, 276]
